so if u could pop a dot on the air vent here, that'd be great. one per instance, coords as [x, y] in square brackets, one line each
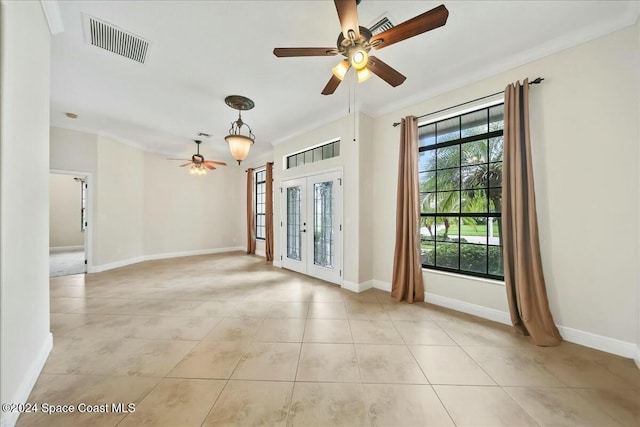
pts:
[111, 38]
[382, 25]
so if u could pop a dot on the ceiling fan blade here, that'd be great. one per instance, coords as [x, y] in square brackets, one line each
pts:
[331, 86]
[385, 72]
[285, 52]
[428, 21]
[208, 166]
[348, 16]
[186, 164]
[216, 162]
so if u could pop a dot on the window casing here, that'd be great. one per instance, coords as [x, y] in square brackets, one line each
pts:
[460, 181]
[260, 202]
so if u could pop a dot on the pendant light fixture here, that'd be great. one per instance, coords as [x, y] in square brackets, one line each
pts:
[239, 143]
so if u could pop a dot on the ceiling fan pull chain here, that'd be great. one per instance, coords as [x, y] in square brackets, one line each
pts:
[354, 111]
[349, 103]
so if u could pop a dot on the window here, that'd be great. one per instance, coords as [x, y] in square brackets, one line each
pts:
[315, 154]
[83, 203]
[460, 175]
[260, 200]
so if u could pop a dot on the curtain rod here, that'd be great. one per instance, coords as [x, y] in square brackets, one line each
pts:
[536, 81]
[258, 167]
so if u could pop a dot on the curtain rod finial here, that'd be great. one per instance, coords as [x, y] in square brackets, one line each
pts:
[396, 124]
[537, 80]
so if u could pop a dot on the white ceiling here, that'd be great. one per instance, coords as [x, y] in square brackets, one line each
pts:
[203, 51]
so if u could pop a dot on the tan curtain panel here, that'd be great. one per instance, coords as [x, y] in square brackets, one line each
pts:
[523, 275]
[268, 244]
[406, 283]
[251, 218]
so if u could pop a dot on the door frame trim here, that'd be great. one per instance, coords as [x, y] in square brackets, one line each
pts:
[322, 172]
[282, 239]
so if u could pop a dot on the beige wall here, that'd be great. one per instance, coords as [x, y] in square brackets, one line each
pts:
[585, 154]
[638, 138]
[145, 206]
[183, 212]
[73, 150]
[119, 192]
[65, 204]
[366, 189]
[25, 340]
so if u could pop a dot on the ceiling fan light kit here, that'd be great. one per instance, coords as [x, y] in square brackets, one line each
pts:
[363, 74]
[355, 43]
[198, 163]
[239, 143]
[359, 58]
[341, 69]
[197, 170]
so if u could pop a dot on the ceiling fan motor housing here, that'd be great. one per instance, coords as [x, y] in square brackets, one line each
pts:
[344, 44]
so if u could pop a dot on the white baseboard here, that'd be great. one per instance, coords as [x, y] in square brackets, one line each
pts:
[65, 248]
[383, 286]
[29, 380]
[261, 253]
[192, 253]
[125, 262]
[469, 308]
[587, 339]
[277, 263]
[357, 287]
[599, 342]
[116, 264]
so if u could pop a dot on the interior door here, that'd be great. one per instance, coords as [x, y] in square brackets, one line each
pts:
[312, 227]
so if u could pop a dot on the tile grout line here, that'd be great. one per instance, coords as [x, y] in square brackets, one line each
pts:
[295, 376]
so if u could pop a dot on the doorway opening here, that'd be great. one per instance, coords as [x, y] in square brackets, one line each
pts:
[68, 223]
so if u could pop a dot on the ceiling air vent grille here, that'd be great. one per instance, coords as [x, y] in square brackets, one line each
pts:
[382, 25]
[113, 39]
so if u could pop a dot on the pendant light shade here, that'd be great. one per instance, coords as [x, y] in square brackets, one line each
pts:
[239, 143]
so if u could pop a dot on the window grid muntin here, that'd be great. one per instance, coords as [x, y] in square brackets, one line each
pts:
[260, 203]
[459, 215]
[316, 154]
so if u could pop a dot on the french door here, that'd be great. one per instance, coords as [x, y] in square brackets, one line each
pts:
[311, 226]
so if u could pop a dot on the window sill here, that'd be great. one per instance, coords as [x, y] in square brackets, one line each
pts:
[464, 276]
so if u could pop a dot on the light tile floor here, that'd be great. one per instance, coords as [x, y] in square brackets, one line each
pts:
[228, 340]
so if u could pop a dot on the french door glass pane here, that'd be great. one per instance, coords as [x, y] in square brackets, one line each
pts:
[323, 216]
[293, 223]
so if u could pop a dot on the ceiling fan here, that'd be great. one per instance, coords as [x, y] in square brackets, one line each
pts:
[198, 163]
[355, 42]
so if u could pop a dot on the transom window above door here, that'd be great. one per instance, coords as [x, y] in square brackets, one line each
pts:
[313, 154]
